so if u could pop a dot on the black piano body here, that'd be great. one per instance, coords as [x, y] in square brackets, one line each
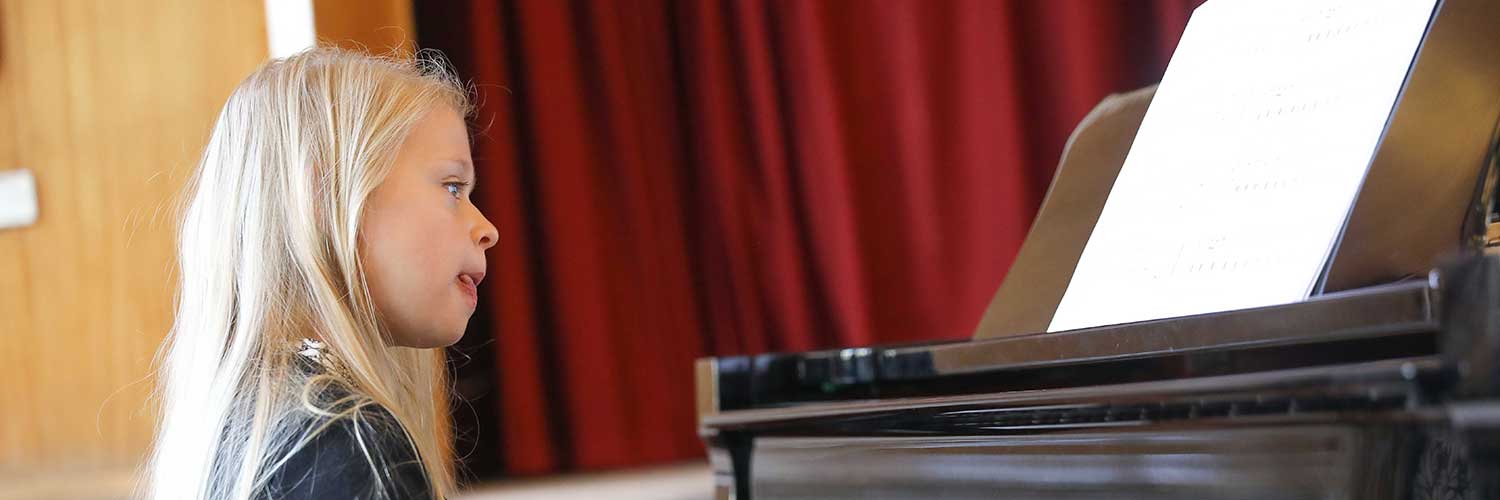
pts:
[1384, 392]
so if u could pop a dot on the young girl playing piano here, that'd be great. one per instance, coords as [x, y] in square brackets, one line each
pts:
[328, 251]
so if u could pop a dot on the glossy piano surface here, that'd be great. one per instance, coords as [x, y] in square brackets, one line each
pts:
[1304, 462]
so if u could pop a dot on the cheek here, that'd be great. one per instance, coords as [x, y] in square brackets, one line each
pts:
[389, 249]
[412, 275]
[399, 255]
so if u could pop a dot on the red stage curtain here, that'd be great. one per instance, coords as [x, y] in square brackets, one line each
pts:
[675, 179]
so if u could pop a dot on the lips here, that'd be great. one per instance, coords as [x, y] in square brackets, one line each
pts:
[470, 289]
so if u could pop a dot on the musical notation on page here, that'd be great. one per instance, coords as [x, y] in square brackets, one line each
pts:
[1247, 162]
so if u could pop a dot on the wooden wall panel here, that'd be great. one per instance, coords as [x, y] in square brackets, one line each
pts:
[375, 25]
[109, 104]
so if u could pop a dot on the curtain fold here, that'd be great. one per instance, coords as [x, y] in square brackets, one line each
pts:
[676, 179]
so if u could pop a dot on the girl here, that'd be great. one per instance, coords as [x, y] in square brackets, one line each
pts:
[328, 251]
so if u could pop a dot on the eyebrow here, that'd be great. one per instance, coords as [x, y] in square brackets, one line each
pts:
[466, 167]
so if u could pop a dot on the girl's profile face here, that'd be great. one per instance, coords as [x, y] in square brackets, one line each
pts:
[422, 241]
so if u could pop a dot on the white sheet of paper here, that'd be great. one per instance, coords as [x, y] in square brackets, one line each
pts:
[1248, 159]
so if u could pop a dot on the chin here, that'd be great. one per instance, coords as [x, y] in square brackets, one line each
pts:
[450, 340]
[452, 336]
[440, 340]
[432, 339]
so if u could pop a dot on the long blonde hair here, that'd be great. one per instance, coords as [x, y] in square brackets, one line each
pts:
[269, 254]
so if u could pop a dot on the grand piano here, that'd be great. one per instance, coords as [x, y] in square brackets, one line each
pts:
[1385, 384]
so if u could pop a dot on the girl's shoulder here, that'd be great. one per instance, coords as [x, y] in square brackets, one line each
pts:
[364, 454]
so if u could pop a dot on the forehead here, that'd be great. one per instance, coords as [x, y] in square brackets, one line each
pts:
[438, 139]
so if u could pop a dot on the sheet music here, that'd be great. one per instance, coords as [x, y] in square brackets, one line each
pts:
[1248, 159]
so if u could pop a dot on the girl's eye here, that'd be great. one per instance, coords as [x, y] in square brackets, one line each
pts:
[455, 188]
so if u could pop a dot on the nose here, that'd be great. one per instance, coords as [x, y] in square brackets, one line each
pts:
[484, 234]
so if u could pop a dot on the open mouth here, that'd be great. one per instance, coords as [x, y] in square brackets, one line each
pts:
[470, 288]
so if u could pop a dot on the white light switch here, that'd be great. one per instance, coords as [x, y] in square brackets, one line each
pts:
[17, 198]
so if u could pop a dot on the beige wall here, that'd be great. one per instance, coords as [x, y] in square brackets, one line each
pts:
[376, 25]
[108, 103]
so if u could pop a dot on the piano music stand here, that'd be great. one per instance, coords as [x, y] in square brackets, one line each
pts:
[1426, 196]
